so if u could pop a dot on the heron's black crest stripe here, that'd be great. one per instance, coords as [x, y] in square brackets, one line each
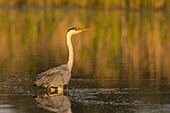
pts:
[72, 28]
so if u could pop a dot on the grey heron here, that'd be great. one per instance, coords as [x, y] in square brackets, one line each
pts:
[59, 76]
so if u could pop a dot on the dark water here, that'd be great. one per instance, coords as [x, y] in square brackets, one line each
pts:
[121, 64]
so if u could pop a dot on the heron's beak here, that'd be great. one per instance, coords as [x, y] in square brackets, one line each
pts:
[82, 29]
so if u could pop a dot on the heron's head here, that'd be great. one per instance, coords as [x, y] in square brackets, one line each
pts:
[75, 30]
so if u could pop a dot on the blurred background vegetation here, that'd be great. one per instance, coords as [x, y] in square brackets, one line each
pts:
[119, 42]
[134, 4]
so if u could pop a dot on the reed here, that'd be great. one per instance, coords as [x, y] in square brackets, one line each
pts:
[134, 4]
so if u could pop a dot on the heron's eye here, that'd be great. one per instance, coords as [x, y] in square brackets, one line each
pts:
[77, 29]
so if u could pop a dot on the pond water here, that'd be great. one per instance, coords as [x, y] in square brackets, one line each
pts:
[121, 64]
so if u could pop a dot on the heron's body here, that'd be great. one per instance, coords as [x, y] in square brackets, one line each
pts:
[55, 77]
[60, 76]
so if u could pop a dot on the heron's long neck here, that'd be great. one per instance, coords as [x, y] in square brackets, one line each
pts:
[71, 52]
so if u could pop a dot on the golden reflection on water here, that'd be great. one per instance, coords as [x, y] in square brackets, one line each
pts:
[132, 44]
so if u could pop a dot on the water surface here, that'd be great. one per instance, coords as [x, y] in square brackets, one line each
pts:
[121, 64]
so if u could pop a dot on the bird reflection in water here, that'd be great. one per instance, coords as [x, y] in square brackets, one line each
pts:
[54, 102]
